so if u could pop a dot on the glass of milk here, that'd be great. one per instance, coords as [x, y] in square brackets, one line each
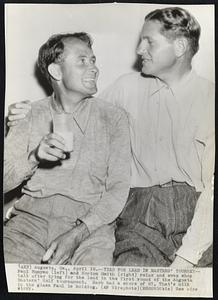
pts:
[63, 127]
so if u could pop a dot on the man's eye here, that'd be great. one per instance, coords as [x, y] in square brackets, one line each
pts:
[151, 43]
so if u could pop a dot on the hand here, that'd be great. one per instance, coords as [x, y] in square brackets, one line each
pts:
[181, 263]
[51, 148]
[18, 111]
[63, 247]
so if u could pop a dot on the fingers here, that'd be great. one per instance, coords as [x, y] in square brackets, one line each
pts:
[55, 146]
[19, 108]
[62, 248]
[59, 258]
[55, 255]
[55, 154]
[51, 157]
[13, 123]
[51, 148]
[18, 111]
[23, 104]
[26, 105]
[16, 115]
[50, 252]
[56, 141]
[14, 119]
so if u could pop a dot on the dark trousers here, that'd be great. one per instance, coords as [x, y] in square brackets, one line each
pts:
[151, 227]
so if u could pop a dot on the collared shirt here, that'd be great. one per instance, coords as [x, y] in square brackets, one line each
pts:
[98, 169]
[172, 138]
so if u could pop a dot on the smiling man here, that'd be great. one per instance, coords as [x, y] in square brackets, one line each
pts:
[168, 218]
[70, 199]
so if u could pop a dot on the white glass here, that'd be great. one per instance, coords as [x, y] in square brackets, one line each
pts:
[62, 127]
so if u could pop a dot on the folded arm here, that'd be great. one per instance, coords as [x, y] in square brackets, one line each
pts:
[199, 235]
[118, 178]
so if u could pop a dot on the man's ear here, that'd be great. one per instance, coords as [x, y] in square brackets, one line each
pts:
[55, 71]
[181, 46]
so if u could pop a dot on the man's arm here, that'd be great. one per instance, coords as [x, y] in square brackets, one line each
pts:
[63, 247]
[19, 163]
[118, 178]
[17, 166]
[199, 235]
[111, 203]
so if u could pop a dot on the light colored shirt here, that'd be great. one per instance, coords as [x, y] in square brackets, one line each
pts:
[98, 170]
[172, 138]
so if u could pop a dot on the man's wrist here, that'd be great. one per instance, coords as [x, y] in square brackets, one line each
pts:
[82, 231]
[181, 262]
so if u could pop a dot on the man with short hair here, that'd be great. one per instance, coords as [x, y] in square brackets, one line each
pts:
[70, 197]
[168, 217]
[169, 213]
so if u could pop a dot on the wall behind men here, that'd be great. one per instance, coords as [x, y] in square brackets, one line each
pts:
[114, 27]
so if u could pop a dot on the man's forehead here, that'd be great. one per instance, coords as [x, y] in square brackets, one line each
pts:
[76, 46]
[150, 27]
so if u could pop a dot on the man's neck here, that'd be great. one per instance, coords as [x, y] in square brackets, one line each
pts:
[174, 77]
[67, 102]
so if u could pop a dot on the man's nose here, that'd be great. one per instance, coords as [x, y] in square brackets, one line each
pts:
[142, 48]
[93, 69]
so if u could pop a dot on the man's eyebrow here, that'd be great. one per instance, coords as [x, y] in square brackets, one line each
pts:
[86, 55]
[82, 55]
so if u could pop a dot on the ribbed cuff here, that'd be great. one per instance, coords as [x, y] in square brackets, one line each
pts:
[92, 221]
[28, 166]
[192, 256]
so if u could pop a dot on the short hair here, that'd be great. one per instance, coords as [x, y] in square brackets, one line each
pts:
[52, 50]
[177, 22]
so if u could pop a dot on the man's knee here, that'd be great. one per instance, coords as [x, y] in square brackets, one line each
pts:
[21, 246]
[94, 257]
[97, 249]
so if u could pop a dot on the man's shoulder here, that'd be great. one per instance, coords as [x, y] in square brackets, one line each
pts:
[42, 104]
[129, 79]
[108, 110]
[204, 91]
[203, 83]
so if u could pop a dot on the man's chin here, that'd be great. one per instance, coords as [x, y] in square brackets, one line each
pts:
[147, 72]
[92, 91]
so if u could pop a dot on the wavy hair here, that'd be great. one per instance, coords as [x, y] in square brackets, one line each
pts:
[178, 22]
[52, 50]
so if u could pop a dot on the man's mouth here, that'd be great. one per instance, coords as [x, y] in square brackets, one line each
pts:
[91, 79]
[90, 82]
[146, 60]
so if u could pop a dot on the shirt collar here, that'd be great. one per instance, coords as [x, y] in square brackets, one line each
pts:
[158, 84]
[80, 115]
[183, 82]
